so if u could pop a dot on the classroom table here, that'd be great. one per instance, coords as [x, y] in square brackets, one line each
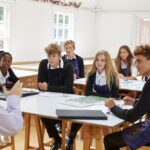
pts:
[40, 105]
[129, 85]
[45, 105]
[29, 78]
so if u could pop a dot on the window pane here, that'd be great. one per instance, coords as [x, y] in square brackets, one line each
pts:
[60, 18]
[54, 33]
[1, 13]
[60, 32]
[1, 30]
[66, 19]
[1, 44]
[144, 36]
[55, 19]
[66, 34]
[62, 45]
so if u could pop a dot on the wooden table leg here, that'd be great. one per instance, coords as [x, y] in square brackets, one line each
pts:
[39, 132]
[99, 138]
[27, 131]
[63, 134]
[87, 136]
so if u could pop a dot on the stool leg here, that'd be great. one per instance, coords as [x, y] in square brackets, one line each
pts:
[12, 143]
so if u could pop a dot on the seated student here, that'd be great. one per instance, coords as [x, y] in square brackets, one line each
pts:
[138, 134]
[7, 76]
[102, 81]
[74, 59]
[54, 75]
[125, 63]
[11, 117]
[103, 78]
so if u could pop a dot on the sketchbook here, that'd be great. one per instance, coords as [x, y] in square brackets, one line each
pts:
[25, 92]
[81, 114]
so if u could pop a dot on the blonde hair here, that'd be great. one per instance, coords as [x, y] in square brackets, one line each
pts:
[111, 73]
[70, 42]
[53, 48]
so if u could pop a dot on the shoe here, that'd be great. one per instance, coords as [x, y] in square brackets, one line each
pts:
[58, 128]
[69, 145]
[3, 140]
[56, 146]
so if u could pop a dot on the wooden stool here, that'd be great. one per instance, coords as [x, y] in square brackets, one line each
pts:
[11, 143]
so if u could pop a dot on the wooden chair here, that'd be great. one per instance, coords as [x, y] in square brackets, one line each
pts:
[11, 144]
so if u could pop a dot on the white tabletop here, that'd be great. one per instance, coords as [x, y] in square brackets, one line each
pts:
[131, 85]
[24, 73]
[46, 105]
[32, 67]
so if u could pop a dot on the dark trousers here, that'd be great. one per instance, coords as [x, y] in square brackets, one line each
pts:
[50, 125]
[115, 141]
[73, 131]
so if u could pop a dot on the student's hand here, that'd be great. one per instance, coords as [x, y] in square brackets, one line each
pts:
[121, 76]
[110, 103]
[128, 100]
[74, 76]
[15, 90]
[43, 86]
[131, 78]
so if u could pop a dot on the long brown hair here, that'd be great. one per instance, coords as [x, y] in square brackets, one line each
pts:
[111, 73]
[129, 60]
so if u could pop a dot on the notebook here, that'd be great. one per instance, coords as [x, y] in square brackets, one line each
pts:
[81, 114]
[25, 92]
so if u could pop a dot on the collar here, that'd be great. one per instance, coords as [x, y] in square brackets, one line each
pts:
[2, 78]
[123, 65]
[103, 74]
[101, 78]
[61, 65]
[74, 57]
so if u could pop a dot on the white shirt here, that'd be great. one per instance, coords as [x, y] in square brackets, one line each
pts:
[134, 71]
[100, 78]
[4, 79]
[61, 65]
[123, 65]
[74, 57]
[11, 118]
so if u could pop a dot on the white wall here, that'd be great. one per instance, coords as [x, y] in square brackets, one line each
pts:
[32, 25]
[114, 30]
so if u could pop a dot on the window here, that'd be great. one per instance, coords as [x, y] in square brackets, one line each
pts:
[144, 33]
[63, 27]
[4, 30]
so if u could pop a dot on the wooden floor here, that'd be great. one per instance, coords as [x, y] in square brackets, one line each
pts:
[19, 141]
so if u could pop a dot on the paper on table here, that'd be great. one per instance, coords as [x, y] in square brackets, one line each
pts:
[84, 101]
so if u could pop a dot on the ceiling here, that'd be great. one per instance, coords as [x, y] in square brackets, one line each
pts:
[137, 5]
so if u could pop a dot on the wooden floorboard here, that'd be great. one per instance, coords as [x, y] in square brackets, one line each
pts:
[19, 141]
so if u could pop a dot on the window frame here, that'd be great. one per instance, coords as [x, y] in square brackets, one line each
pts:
[63, 27]
[6, 37]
